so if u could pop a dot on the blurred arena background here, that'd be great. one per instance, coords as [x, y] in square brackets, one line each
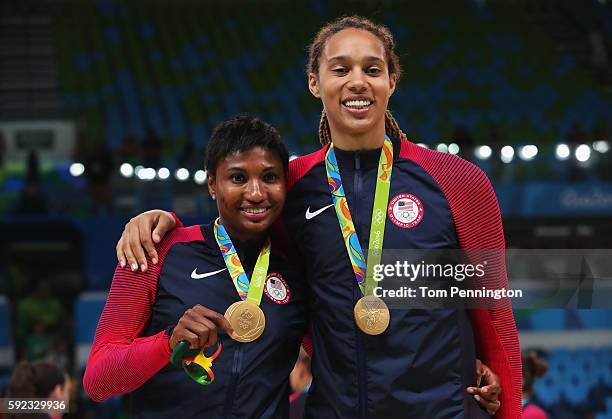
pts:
[106, 106]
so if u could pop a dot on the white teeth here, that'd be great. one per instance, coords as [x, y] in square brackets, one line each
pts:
[357, 103]
[254, 210]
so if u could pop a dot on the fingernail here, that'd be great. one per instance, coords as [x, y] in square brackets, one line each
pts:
[470, 390]
[484, 390]
[154, 260]
[134, 266]
[122, 263]
[143, 267]
[156, 237]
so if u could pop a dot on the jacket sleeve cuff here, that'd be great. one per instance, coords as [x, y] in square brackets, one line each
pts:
[164, 343]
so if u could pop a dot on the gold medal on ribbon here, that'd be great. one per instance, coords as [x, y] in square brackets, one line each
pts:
[371, 315]
[247, 319]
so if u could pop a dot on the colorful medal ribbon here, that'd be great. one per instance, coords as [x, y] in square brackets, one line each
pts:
[250, 290]
[195, 362]
[365, 278]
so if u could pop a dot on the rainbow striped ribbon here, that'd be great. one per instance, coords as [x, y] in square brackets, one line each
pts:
[234, 266]
[364, 277]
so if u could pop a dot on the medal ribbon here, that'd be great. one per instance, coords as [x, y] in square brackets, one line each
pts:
[250, 290]
[364, 276]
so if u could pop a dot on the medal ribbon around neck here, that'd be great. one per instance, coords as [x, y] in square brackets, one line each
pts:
[247, 290]
[364, 276]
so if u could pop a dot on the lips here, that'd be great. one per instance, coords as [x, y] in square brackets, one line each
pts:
[255, 213]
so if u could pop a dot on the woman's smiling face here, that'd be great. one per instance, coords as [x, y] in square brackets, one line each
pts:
[250, 191]
[353, 82]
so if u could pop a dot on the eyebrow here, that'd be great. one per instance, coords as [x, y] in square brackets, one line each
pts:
[240, 168]
[345, 58]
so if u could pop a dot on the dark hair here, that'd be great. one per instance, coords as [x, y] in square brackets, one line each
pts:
[315, 49]
[36, 379]
[242, 133]
[533, 367]
[393, 64]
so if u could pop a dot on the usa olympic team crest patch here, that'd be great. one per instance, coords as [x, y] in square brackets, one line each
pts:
[277, 289]
[405, 210]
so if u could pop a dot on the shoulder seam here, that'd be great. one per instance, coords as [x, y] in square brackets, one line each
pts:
[179, 235]
[302, 165]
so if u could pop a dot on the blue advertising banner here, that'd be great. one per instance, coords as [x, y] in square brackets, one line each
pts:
[563, 199]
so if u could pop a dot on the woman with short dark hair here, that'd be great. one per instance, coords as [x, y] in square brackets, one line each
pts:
[229, 266]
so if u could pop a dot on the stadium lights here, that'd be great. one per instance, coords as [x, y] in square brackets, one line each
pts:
[582, 153]
[182, 174]
[137, 170]
[507, 154]
[163, 173]
[483, 152]
[77, 169]
[126, 170]
[199, 177]
[562, 152]
[528, 152]
[601, 146]
[146, 173]
[453, 148]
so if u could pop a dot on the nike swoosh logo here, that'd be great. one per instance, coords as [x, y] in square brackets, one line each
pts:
[311, 215]
[196, 275]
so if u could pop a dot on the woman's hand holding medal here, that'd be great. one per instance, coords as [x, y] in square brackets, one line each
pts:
[199, 326]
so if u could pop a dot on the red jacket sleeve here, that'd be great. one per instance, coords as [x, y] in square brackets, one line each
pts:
[478, 224]
[177, 220]
[307, 344]
[121, 360]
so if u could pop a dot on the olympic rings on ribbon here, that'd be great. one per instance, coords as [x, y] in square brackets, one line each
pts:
[379, 217]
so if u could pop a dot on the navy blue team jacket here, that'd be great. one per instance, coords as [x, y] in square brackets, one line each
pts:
[420, 367]
[251, 379]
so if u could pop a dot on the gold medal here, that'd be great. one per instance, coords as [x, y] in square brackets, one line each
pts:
[247, 319]
[371, 315]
